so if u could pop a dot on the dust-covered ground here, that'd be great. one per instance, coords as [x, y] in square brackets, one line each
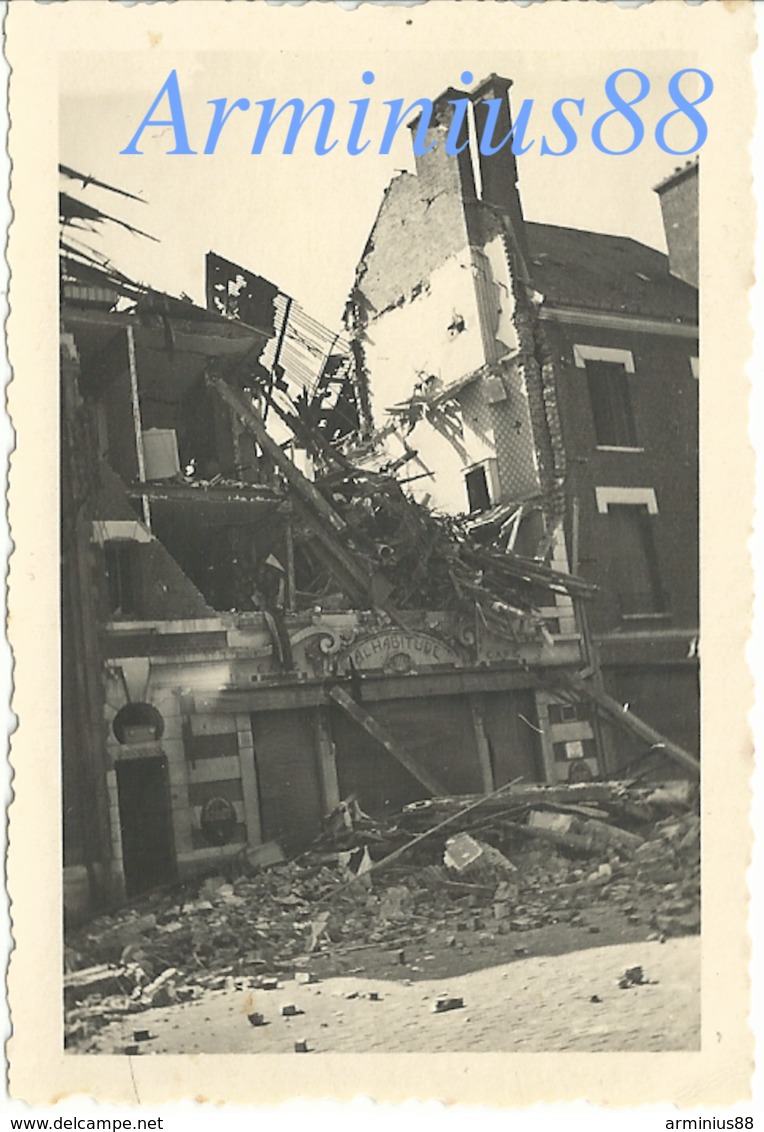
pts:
[573, 1001]
[546, 952]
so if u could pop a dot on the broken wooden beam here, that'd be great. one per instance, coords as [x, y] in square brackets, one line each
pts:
[623, 717]
[387, 741]
[253, 422]
[368, 587]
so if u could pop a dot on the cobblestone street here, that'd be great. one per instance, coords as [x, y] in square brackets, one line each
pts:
[542, 1003]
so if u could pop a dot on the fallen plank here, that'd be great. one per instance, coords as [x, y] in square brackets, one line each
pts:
[622, 717]
[326, 524]
[253, 422]
[382, 736]
[397, 853]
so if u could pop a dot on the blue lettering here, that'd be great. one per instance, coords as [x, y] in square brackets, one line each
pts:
[623, 107]
[220, 117]
[359, 118]
[566, 127]
[299, 117]
[176, 119]
[395, 120]
[516, 132]
[685, 106]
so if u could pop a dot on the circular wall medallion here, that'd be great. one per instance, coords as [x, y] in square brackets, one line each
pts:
[218, 821]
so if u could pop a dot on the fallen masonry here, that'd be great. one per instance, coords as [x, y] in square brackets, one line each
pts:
[447, 877]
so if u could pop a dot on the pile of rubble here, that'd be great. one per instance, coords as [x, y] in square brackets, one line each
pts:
[360, 537]
[437, 874]
[437, 561]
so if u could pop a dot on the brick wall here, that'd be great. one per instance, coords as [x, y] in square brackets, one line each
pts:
[419, 225]
[664, 396]
[679, 205]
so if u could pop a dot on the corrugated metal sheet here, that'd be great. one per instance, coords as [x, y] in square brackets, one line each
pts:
[291, 804]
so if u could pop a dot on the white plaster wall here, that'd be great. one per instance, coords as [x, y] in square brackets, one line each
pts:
[495, 299]
[411, 341]
[444, 490]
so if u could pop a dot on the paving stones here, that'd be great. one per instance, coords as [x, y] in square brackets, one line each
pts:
[446, 1003]
[634, 977]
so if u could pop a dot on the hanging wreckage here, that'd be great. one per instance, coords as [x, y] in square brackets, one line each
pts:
[254, 627]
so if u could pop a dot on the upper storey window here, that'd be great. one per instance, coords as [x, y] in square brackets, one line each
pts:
[612, 411]
[609, 373]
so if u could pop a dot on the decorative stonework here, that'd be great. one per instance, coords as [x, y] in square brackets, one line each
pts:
[316, 647]
[397, 651]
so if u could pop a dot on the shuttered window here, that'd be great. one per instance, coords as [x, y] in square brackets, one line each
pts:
[610, 397]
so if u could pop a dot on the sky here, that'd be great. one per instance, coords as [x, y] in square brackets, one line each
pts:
[302, 220]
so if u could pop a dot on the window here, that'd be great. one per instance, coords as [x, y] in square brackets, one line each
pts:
[634, 570]
[482, 483]
[566, 713]
[572, 749]
[478, 495]
[610, 398]
[138, 723]
[607, 375]
[121, 575]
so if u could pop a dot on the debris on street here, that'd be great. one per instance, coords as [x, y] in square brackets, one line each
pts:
[525, 861]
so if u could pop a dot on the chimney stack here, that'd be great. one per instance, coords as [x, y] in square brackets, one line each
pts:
[679, 205]
[475, 176]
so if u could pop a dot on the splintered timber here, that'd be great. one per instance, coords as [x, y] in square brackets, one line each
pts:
[474, 120]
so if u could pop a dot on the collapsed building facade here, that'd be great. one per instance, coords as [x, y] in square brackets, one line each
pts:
[270, 601]
[545, 380]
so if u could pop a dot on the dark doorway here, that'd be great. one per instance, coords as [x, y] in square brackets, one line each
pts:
[511, 727]
[146, 820]
[291, 806]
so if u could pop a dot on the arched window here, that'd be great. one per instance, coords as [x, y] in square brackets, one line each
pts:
[138, 723]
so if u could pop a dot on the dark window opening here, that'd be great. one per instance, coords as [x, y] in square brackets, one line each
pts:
[567, 713]
[610, 397]
[478, 495]
[635, 574]
[121, 575]
[138, 723]
[530, 534]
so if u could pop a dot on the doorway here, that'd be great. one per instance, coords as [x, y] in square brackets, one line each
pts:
[145, 816]
[291, 805]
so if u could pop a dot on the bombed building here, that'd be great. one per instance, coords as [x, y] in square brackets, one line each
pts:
[544, 380]
[426, 560]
